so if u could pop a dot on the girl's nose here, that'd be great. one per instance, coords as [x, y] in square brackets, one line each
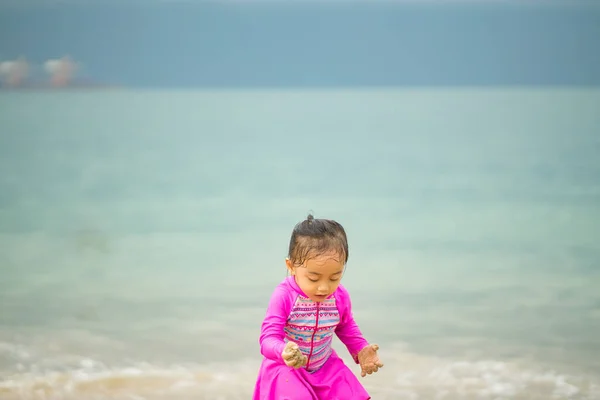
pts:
[323, 289]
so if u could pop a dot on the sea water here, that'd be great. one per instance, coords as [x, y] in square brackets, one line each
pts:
[143, 231]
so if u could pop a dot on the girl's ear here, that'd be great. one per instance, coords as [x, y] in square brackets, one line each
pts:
[290, 266]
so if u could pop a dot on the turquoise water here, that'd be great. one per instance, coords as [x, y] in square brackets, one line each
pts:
[142, 232]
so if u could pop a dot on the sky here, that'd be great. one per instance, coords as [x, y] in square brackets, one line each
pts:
[193, 43]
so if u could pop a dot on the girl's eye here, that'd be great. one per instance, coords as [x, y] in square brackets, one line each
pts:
[335, 280]
[313, 280]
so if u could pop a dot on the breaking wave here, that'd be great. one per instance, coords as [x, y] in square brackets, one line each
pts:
[405, 376]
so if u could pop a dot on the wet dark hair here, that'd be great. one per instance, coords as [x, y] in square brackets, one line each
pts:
[313, 237]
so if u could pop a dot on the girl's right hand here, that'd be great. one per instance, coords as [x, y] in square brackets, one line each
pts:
[292, 356]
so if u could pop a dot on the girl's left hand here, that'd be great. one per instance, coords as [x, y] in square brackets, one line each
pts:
[369, 360]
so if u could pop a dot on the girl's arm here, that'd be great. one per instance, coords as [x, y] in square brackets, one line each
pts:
[272, 334]
[348, 330]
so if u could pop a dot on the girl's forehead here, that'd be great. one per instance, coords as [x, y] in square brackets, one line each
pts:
[325, 261]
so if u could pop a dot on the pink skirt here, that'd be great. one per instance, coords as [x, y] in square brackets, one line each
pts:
[333, 381]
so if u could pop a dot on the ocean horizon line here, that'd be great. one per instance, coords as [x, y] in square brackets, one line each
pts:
[267, 87]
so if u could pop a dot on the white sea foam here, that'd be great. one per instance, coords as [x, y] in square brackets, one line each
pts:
[406, 375]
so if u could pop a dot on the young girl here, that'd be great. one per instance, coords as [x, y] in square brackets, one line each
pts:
[304, 312]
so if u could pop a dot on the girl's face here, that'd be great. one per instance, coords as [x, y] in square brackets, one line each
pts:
[318, 277]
